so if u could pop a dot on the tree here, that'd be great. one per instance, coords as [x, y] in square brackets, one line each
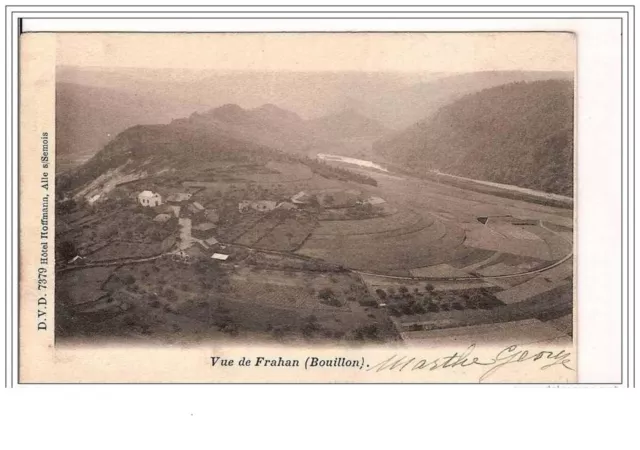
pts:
[381, 293]
[66, 250]
[429, 287]
[325, 293]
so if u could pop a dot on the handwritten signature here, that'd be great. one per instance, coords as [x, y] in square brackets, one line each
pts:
[509, 355]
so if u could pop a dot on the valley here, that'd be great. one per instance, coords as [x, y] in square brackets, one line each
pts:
[344, 261]
[234, 224]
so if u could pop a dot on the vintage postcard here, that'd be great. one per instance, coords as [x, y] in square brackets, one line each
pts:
[297, 208]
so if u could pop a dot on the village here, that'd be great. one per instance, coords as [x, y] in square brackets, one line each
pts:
[159, 258]
[197, 235]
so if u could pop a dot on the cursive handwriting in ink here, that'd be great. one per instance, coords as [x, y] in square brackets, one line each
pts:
[509, 355]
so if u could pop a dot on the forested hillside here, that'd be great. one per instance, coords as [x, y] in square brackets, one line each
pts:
[519, 133]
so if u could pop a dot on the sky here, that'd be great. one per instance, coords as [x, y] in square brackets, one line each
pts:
[375, 52]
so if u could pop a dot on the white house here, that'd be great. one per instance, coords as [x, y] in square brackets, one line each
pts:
[148, 198]
[301, 198]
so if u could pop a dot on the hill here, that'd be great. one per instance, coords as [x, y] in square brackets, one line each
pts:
[190, 149]
[519, 133]
[267, 125]
[271, 126]
[403, 107]
[88, 117]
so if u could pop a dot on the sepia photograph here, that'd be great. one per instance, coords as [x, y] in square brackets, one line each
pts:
[302, 189]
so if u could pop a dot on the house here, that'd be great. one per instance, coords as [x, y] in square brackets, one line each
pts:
[179, 197]
[301, 198]
[148, 198]
[75, 258]
[162, 218]
[264, 205]
[220, 256]
[93, 199]
[203, 230]
[258, 205]
[375, 200]
[286, 205]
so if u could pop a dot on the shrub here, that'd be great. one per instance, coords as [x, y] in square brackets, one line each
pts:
[432, 307]
[381, 293]
[128, 279]
[368, 302]
[155, 304]
[325, 293]
[332, 301]
[171, 294]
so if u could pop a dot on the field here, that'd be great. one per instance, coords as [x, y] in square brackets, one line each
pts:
[429, 256]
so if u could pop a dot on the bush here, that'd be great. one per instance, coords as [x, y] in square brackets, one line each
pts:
[332, 301]
[432, 307]
[128, 279]
[154, 304]
[171, 294]
[394, 311]
[381, 293]
[366, 332]
[368, 302]
[325, 293]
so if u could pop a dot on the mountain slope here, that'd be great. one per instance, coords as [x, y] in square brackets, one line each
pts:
[266, 125]
[88, 117]
[403, 107]
[347, 124]
[520, 134]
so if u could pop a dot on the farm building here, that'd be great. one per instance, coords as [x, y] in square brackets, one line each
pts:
[264, 205]
[75, 258]
[220, 256]
[148, 198]
[162, 218]
[301, 198]
[375, 200]
[286, 205]
[93, 199]
[203, 230]
[179, 197]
